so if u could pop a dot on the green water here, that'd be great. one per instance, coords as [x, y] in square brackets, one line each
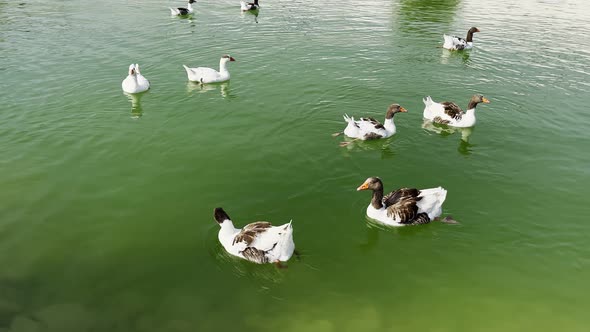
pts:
[106, 203]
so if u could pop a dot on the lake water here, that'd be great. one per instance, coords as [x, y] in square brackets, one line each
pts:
[106, 213]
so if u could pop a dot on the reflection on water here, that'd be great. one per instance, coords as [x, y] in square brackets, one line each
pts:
[412, 13]
[465, 148]
[135, 99]
[448, 56]
[357, 145]
[203, 88]
[251, 13]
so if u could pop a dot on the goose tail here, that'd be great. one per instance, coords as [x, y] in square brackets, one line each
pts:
[427, 101]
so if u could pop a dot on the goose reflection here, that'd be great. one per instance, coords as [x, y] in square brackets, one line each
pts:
[192, 87]
[465, 148]
[135, 99]
[448, 56]
[250, 13]
[383, 145]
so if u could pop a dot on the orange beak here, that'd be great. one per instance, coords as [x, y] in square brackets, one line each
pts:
[485, 100]
[403, 110]
[363, 186]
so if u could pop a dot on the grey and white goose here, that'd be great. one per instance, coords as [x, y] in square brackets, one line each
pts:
[183, 11]
[369, 128]
[450, 113]
[405, 206]
[455, 43]
[246, 6]
[259, 242]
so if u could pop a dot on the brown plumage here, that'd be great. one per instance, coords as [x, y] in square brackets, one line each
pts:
[453, 110]
[249, 232]
[254, 255]
[402, 203]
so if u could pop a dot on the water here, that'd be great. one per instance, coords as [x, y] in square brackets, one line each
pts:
[106, 216]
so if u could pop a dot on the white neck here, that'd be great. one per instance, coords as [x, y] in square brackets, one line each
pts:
[227, 231]
[389, 125]
[222, 65]
[189, 7]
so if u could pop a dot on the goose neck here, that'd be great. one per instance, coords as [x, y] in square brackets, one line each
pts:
[377, 199]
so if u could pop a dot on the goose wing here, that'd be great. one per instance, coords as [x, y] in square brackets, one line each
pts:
[402, 206]
[452, 110]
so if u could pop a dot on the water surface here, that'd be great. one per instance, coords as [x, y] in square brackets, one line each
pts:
[106, 216]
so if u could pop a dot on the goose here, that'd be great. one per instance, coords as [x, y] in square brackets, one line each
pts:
[210, 75]
[135, 82]
[258, 242]
[405, 206]
[450, 113]
[369, 128]
[183, 11]
[457, 43]
[246, 6]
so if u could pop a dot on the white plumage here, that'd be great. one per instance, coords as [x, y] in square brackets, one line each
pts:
[258, 242]
[246, 6]
[457, 43]
[369, 128]
[135, 82]
[405, 206]
[180, 11]
[450, 113]
[210, 75]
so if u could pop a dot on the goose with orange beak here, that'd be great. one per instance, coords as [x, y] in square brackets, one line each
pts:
[451, 114]
[405, 206]
[369, 128]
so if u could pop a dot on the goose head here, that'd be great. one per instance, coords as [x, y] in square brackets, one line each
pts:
[479, 99]
[192, 1]
[473, 30]
[476, 99]
[373, 183]
[226, 58]
[393, 109]
[132, 70]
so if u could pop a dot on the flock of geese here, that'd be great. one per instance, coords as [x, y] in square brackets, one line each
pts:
[261, 242]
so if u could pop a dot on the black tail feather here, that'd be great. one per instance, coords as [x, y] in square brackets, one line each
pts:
[220, 215]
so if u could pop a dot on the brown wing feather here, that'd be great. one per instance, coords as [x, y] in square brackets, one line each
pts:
[402, 204]
[453, 110]
[249, 232]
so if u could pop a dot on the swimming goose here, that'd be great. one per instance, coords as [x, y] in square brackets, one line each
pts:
[183, 11]
[209, 75]
[450, 113]
[246, 6]
[369, 128]
[258, 242]
[405, 206]
[458, 43]
[135, 82]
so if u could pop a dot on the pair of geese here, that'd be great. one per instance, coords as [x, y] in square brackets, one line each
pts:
[137, 83]
[181, 11]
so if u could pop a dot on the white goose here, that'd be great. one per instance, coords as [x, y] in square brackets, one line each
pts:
[369, 128]
[246, 6]
[258, 242]
[210, 75]
[135, 82]
[454, 43]
[450, 113]
[183, 11]
[405, 206]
